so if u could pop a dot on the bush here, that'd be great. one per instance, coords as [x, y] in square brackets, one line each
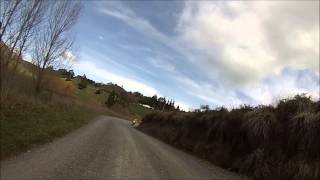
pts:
[83, 82]
[260, 125]
[112, 99]
[264, 142]
[305, 130]
[98, 91]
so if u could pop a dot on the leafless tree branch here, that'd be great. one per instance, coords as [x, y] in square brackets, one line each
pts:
[53, 40]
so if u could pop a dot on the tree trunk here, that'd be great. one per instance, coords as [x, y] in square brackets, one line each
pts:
[38, 82]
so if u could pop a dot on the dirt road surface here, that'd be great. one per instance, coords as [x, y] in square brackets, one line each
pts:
[109, 148]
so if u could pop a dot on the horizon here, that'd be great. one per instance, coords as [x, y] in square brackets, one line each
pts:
[215, 53]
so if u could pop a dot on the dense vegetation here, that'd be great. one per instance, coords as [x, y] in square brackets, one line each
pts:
[264, 142]
[160, 103]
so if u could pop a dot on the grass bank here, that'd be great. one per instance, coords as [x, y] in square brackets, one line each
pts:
[28, 119]
[29, 122]
[264, 142]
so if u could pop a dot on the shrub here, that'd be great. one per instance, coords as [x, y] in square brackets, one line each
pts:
[264, 142]
[112, 99]
[83, 82]
[305, 133]
[98, 91]
[260, 125]
[287, 108]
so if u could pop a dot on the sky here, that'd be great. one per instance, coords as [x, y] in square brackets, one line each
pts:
[202, 52]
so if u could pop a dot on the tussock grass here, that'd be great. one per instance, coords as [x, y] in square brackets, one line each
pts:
[260, 125]
[305, 130]
[265, 142]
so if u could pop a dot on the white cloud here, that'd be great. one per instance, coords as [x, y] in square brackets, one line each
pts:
[162, 64]
[119, 10]
[99, 74]
[68, 55]
[135, 48]
[144, 70]
[287, 84]
[237, 45]
[253, 39]
[182, 106]
[207, 92]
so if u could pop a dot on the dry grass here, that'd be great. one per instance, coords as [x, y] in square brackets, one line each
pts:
[27, 122]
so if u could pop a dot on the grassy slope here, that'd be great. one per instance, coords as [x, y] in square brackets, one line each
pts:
[27, 122]
[88, 95]
[24, 125]
[139, 110]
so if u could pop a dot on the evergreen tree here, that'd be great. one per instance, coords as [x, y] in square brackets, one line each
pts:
[112, 98]
[83, 82]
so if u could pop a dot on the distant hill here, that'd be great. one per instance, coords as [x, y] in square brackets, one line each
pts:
[94, 94]
[65, 83]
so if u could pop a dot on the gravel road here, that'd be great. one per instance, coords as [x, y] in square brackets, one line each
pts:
[109, 148]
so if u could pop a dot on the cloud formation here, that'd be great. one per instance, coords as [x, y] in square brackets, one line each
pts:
[224, 53]
[252, 39]
[68, 55]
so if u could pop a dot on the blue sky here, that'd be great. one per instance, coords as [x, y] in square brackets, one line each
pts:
[206, 52]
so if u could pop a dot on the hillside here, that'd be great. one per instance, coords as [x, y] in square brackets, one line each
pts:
[28, 120]
[60, 86]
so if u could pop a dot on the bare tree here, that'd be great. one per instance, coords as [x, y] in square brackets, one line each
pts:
[53, 40]
[19, 18]
[30, 17]
[19, 21]
[8, 9]
[8, 12]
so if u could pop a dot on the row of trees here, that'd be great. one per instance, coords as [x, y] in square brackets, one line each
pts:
[39, 28]
[120, 98]
[68, 74]
[112, 99]
[160, 103]
[83, 82]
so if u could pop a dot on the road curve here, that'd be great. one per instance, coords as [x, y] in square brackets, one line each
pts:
[109, 148]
